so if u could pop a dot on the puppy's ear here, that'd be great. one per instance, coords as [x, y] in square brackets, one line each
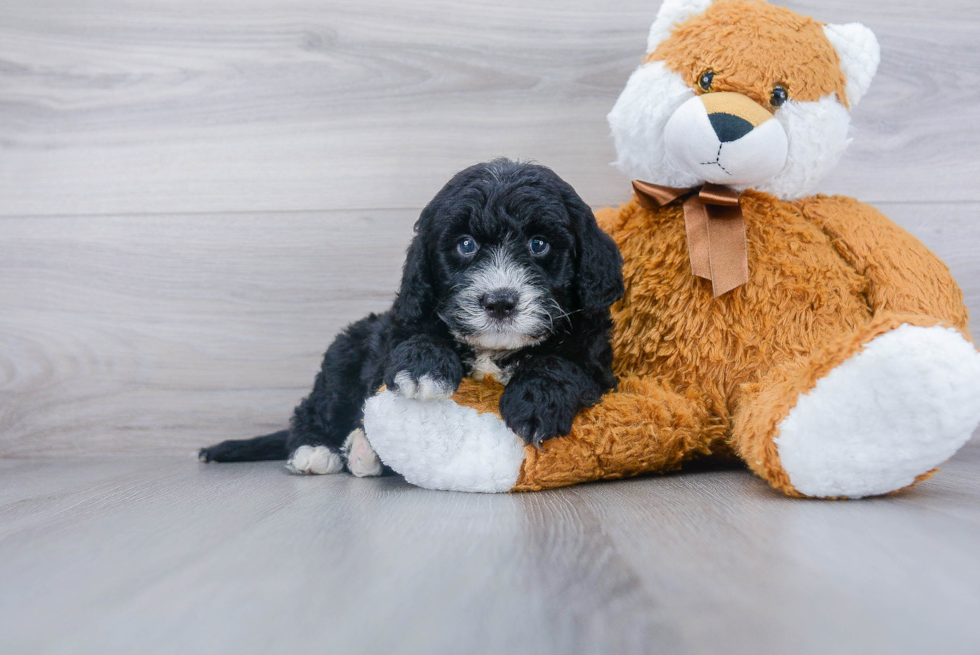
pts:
[416, 297]
[600, 266]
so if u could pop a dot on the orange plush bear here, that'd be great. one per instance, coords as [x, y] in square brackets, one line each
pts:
[807, 335]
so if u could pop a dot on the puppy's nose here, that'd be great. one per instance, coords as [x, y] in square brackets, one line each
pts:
[500, 304]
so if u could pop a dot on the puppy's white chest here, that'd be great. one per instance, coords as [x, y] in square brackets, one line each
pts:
[486, 364]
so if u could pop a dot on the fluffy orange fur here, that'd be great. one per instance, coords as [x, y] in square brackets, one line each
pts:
[711, 376]
[781, 46]
[704, 376]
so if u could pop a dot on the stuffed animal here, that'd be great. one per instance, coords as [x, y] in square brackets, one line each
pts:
[807, 335]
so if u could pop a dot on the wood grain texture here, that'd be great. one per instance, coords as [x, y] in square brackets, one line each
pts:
[161, 555]
[118, 107]
[120, 330]
[160, 334]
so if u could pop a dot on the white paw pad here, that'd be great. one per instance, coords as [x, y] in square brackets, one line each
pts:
[362, 461]
[427, 387]
[899, 408]
[315, 460]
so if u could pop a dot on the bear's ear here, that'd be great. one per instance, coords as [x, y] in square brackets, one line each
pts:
[672, 13]
[859, 54]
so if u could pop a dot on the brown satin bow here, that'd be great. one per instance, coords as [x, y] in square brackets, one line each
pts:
[715, 230]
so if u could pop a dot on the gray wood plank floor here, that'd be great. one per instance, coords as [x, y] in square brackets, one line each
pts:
[197, 195]
[161, 555]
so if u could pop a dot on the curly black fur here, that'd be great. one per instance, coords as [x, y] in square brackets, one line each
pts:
[545, 329]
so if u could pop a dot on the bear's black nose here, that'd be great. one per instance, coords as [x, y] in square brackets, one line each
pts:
[500, 304]
[729, 127]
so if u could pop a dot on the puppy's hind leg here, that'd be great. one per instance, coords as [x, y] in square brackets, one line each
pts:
[315, 460]
[362, 461]
[322, 427]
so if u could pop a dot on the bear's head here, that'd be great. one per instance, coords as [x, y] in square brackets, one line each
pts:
[741, 93]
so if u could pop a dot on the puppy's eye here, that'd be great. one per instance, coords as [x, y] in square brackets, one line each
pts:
[538, 246]
[467, 246]
[704, 82]
[779, 96]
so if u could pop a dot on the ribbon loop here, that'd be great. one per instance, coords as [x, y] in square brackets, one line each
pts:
[654, 196]
[715, 230]
[717, 194]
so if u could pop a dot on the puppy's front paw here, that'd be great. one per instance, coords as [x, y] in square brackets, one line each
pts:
[425, 387]
[423, 370]
[536, 410]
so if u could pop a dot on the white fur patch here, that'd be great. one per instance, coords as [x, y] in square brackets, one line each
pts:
[817, 135]
[691, 141]
[638, 119]
[362, 461]
[486, 364]
[859, 53]
[897, 409]
[442, 445]
[427, 387]
[315, 460]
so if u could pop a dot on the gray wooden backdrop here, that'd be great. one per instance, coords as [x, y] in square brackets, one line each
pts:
[195, 196]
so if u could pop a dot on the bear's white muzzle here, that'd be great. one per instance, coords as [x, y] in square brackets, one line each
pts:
[726, 138]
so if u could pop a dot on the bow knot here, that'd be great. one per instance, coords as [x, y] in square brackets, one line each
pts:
[715, 230]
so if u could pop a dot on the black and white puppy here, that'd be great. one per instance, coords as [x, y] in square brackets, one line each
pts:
[508, 275]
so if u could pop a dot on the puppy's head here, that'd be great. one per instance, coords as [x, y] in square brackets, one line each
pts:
[505, 253]
[742, 93]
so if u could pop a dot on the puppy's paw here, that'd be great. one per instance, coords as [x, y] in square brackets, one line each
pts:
[426, 387]
[315, 460]
[536, 410]
[362, 461]
[422, 369]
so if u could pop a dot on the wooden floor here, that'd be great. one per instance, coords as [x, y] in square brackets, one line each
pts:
[196, 195]
[163, 555]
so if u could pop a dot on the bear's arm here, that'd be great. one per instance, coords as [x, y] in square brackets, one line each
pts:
[905, 276]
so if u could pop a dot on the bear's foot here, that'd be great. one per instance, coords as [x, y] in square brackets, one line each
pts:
[438, 444]
[884, 417]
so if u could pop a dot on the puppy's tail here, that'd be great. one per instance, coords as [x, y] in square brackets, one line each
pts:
[270, 446]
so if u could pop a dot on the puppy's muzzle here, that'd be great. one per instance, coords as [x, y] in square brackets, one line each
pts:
[500, 304]
[726, 138]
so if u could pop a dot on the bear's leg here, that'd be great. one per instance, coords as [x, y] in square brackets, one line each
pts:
[869, 414]
[644, 427]
[442, 444]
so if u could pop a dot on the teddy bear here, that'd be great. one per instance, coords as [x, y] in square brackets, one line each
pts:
[806, 335]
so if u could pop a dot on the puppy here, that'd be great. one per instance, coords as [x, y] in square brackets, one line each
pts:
[508, 275]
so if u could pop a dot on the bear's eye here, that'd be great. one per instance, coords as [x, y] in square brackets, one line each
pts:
[467, 246]
[779, 96]
[704, 82]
